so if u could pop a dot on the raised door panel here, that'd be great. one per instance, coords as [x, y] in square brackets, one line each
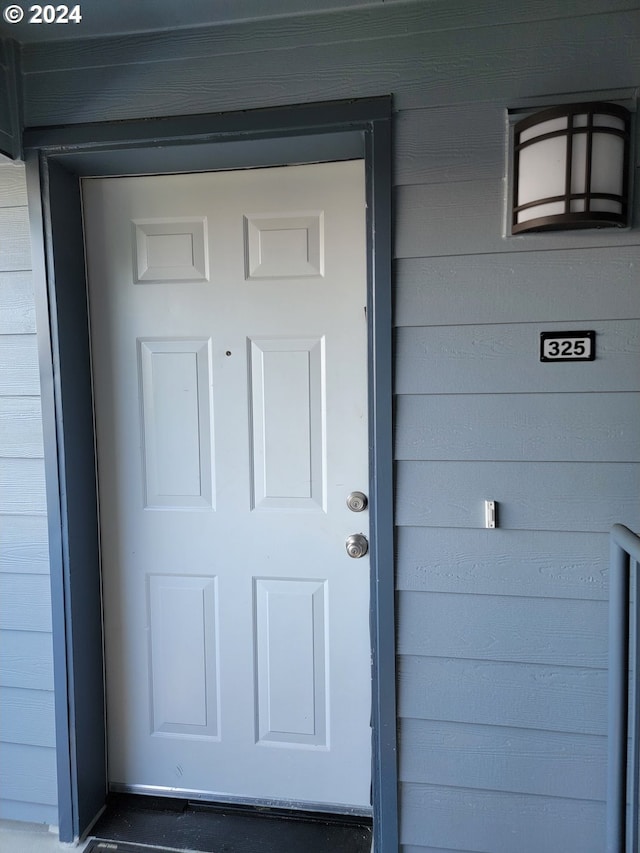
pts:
[183, 646]
[168, 250]
[288, 423]
[278, 246]
[177, 423]
[291, 652]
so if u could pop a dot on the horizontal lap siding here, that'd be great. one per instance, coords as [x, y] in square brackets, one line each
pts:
[24, 545]
[532, 563]
[454, 225]
[21, 427]
[27, 716]
[504, 358]
[28, 773]
[26, 660]
[342, 27]
[548, 763]
[530, 696]
[558, 632]
[27, 731]
[17, 312]
[23, 486]
[481, 820]
[541, 427]
[15, 251]
[25, 603]
[568, 496]
[522, 287]
[501, 634]
[19, 360]
[420, 67]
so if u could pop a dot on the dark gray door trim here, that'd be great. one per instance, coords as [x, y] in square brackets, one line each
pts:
[56, 159]
[11, 106]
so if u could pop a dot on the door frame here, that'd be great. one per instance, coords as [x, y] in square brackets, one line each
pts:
[56, 159]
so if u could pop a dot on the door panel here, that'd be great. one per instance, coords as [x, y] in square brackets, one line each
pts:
[288, 417]
[176, 439]
[183, 627]
[229, 350]
[291, 678]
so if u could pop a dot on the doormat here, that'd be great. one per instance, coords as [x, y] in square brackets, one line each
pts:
[135, 824]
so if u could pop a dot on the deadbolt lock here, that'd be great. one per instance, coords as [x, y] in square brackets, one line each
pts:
[357, 545]
[357, 501]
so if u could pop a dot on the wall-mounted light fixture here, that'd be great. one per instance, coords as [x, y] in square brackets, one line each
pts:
[571, 168]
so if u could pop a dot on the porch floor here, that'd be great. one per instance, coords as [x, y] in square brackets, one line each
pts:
[17, 837]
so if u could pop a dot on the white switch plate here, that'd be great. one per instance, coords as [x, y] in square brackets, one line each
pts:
[490, 514]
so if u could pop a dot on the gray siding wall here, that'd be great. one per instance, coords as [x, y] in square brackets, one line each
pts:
[502, 635]
[27, 737]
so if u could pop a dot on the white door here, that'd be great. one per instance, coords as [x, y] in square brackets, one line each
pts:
[229, 349]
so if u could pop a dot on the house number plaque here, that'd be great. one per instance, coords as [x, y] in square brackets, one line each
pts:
[568, 346]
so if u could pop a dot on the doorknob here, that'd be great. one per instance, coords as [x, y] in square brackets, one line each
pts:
[357, 545]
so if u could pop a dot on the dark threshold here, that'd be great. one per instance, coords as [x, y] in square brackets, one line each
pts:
[138, 824]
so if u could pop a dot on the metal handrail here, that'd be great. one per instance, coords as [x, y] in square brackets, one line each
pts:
[622, 779]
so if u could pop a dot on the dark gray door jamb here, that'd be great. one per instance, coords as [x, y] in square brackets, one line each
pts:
[56, 159]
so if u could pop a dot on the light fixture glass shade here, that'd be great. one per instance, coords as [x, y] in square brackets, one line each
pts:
[571, 167]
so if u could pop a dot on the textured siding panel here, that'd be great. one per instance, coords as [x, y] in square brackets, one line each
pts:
[559, 632]
[499, 822]
[19, 360]
[281, 32]
[532, 496]
[21, 427]
[24, 545]
[531, 427]
[493, 693]
[27, 719]
[25, 603]
[504, 358]
[13, 191]
[505, 759]
[17, 311]
[419, 69]
[449, 144]
[442, 219]
[28, 773]
[27, 716]
[15, 249]
[504, 562]
[540, 287]
[22, 486]
[26, 660]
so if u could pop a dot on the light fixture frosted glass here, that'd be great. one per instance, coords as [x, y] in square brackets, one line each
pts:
[571, 167]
